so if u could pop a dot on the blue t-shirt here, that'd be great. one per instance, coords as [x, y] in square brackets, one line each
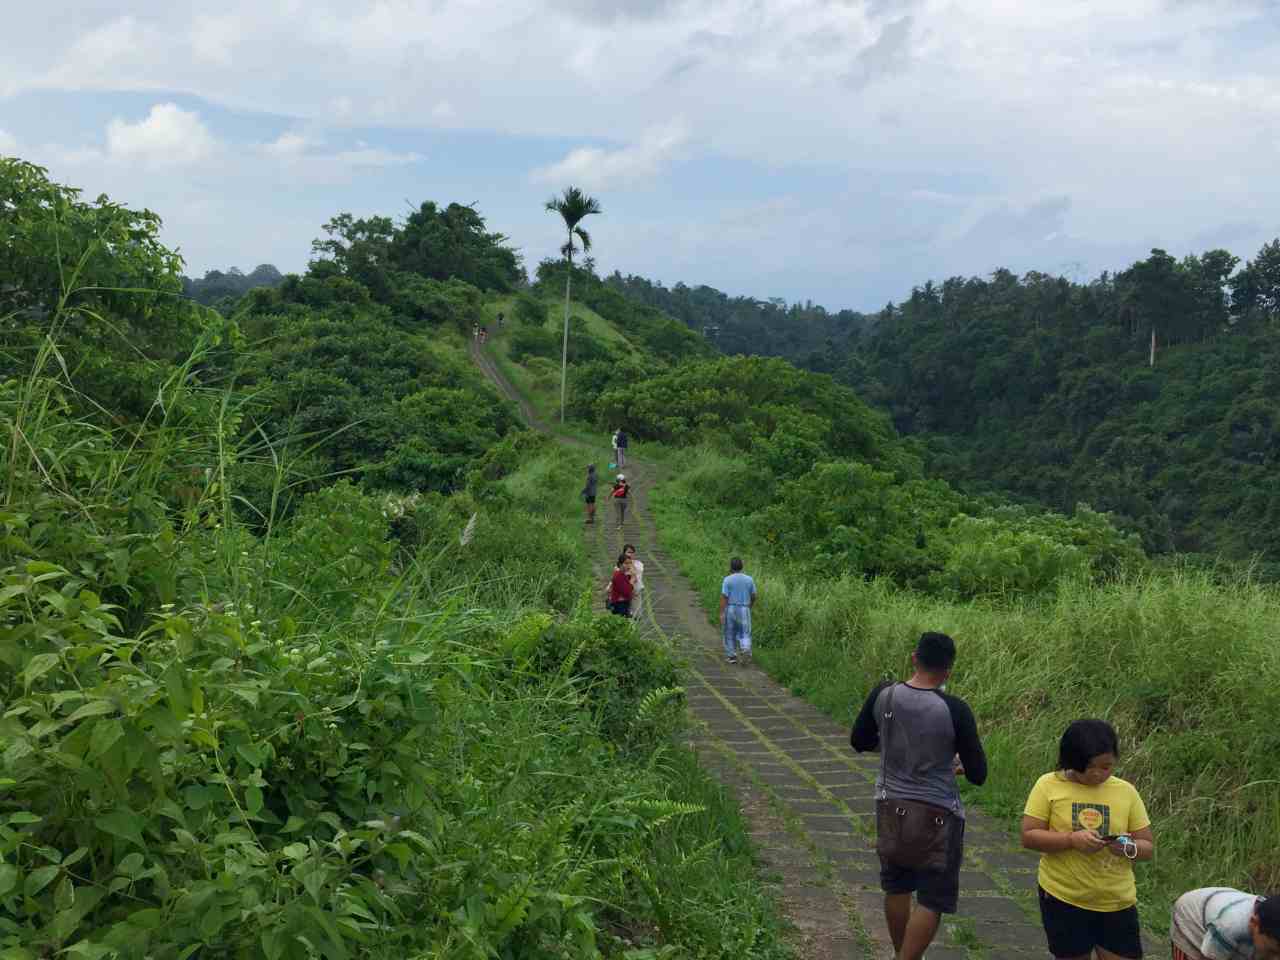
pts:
[739, 588]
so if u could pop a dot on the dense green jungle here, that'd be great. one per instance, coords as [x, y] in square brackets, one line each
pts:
[301, 653]
[1152, 393]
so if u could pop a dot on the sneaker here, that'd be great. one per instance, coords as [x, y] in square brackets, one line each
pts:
[732, 659]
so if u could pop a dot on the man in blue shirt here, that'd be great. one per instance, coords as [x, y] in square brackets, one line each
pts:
[737, 597]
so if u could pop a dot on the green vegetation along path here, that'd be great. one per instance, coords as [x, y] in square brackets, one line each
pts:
[808, 799]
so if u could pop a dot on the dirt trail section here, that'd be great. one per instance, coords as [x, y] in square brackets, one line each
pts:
[807, 797]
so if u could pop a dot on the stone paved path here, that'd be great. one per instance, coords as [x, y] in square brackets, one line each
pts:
[807, 796]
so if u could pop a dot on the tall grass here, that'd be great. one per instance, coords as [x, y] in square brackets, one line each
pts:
[1186, 667]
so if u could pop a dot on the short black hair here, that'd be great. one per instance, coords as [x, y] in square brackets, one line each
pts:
[735, 564]
[936, 651]
[1083, 740]
[1267, 910]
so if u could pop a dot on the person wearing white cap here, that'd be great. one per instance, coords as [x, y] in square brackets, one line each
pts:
[621, 491]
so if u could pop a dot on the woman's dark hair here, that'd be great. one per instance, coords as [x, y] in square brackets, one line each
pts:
[1267, 910]
[622, 558]
[628, 546]
[1083, 740]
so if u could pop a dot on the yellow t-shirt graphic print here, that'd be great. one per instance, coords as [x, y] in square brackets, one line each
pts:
[1094, 881]
[1091, 816]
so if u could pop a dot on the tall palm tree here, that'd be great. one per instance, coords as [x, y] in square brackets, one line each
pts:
[573, 206]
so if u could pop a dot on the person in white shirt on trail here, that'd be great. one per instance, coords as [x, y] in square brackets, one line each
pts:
[737, 597]
[637, 599]
[1221, 923]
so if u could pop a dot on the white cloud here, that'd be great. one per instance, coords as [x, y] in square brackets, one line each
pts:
[8, 144]
[288, 144]
[598, 169]
[303, 157]
[169, 136]
[214, 39]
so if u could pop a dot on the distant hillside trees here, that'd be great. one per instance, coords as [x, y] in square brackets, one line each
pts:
[215, 285]
[746, 325]
[1046, 388]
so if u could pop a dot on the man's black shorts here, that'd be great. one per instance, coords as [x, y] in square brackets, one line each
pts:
[938, 891]
[1074, 931]
[589, 499]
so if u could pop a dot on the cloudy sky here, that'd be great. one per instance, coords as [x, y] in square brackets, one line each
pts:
[837, 150]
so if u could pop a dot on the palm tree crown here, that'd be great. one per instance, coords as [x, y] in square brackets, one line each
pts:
[573, 205]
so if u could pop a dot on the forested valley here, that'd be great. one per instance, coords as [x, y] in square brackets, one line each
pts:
[301, 653]
[1152, 393]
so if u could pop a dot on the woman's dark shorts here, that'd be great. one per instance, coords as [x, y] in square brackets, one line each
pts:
[621, 607]
[938, 891]
[1074, 931]
[589, 499]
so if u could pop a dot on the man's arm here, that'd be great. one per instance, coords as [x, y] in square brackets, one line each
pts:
[968, 745]
[866, 729]
[724, 602]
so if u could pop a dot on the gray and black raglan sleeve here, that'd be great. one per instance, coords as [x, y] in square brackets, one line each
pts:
[968, 744]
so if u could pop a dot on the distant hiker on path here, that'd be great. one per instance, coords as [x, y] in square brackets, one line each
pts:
[637, 580]
[1220, 923]
[621, 589]
[1089, 827]
[737, 597]
[920, 732]
[589, 493]
[619, 447]
[620, 493]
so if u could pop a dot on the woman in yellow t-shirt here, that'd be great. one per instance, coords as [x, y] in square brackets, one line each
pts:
[1089, 827]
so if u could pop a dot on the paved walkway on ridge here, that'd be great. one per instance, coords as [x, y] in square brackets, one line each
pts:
[807, 797]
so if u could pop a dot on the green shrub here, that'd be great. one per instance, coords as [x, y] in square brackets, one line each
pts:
[530, 311]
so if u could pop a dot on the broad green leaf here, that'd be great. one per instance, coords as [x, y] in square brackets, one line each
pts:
[90, 951]
[148, 919]
[39, 878]
[64, 894]
[104, 737]
[131, 865]
[250, 754]
[94, 708]
[124, 823]
[253, 800]
[8, 878]
[38, 666]
[38, 568]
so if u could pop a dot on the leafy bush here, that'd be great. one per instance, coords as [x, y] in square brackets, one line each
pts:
[530, 311]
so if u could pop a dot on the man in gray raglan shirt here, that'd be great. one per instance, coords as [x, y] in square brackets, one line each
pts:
[932, 736]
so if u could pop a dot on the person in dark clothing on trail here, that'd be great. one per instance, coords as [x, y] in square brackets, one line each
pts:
[589, 493]
[925, 737]
[620, 442]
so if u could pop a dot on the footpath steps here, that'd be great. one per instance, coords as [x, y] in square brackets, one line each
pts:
[779, 753]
